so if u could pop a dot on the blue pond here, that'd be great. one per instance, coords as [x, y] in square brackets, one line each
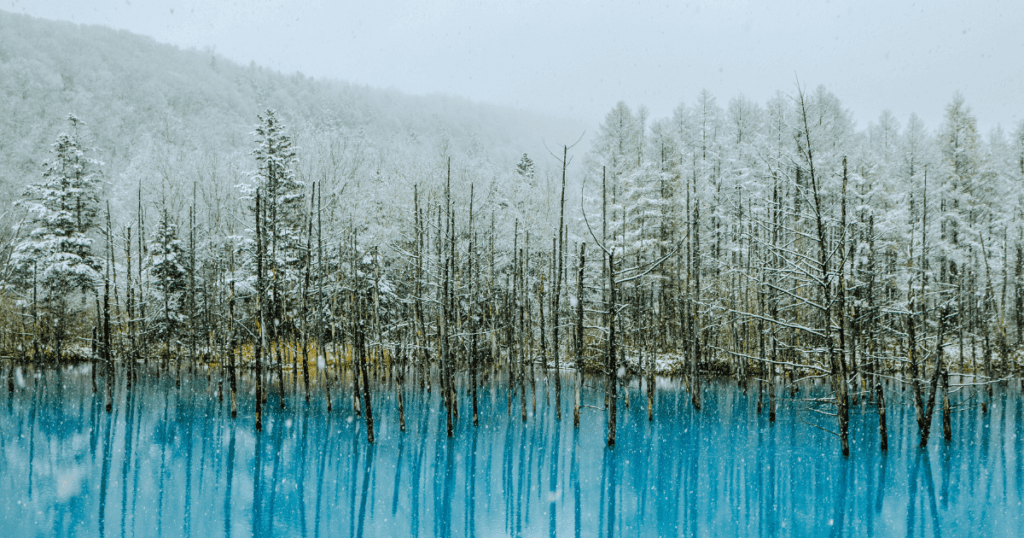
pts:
[172, 462]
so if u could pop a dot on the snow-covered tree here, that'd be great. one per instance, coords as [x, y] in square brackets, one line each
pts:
[56, 258]
[963, 195]
[167, 275]
[282, 191]
[525, 169]
[283, 208]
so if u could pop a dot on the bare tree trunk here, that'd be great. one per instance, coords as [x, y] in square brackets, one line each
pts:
[696, 344]
[321, 345]
[474, 314]
[305, 299]
[400, 385]
[130, 305]
[191, 291]
[232, 347]
[446, 361]
[108, 359]
[361, 353]
[261, 340]
[354, 345]
[558, 290]
[579, 336]
[521, 333]
[837, 364]
[611, 365]
[947, 429]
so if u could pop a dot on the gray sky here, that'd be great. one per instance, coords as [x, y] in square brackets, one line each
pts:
[581, 57]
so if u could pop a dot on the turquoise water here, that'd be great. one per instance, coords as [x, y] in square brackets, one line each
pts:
[172, 462]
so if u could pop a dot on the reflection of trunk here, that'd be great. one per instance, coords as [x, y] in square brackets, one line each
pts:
[108, 439]
[471, 489]
[132, 413]
[552, 480]
[229, 483]
[320, 474]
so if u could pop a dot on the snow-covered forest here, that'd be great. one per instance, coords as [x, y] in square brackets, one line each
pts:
[171, 208]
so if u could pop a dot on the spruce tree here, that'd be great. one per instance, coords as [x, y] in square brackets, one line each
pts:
[56, 257]
[283, 195]
[275, 176]
[167, 277]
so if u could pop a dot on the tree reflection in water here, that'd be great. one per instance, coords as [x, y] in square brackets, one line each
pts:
[175, 463]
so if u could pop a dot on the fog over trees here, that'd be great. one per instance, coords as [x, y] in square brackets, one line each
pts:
[193, 213]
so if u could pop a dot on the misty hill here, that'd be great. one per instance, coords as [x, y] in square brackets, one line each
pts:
[168, 118]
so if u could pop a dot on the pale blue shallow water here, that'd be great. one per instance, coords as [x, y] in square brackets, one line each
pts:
[171, 462]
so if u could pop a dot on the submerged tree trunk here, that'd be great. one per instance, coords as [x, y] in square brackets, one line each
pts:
[883, 431]
[611, 366]
[361, 353]
[579, 337]
[947, 428]
[261, 340]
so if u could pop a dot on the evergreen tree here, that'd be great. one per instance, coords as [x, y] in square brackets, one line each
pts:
[167, 275]
[56, 258]
[275, 176]
[63, 209]
[283, 210]
[525, 169]
[55, 261]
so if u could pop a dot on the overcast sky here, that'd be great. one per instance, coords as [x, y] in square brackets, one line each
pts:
[581, 57]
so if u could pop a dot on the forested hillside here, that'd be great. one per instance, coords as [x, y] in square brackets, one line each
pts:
[168, 118]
